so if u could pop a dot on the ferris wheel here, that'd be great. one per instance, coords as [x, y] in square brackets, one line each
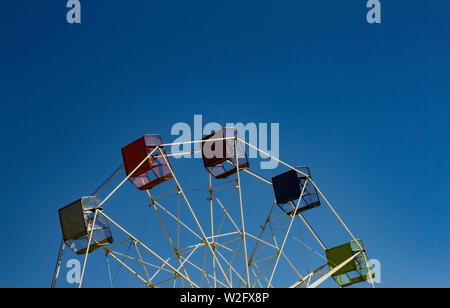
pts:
[239, 230]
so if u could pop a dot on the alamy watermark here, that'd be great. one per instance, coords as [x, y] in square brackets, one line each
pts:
[257, 135]
[374, 14]
[74, 13]
[74, 273]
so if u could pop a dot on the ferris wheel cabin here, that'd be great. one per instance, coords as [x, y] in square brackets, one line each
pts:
[219, 153]
[77, 223]
[288, 189]
[154, 170]
[357, 270]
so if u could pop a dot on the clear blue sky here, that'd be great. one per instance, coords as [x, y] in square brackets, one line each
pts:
[365, 106]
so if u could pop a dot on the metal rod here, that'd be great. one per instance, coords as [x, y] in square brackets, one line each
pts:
[307, 277]
[88, 247]
[236, 157]
[107, 181]
[287, 233]
[334, 270]
[212, 230]
[58, 263]
[147, 283]
[195, 141]
[312, 231]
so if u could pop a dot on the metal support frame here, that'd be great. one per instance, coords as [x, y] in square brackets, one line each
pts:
[213, 243]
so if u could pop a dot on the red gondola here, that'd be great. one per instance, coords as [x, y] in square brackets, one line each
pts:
[155, 169]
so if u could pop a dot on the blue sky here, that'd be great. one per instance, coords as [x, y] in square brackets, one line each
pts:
[365, 106]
